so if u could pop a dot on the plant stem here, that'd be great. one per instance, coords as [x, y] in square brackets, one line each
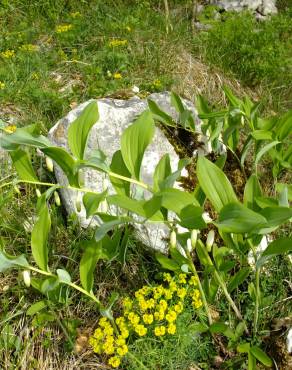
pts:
[138, 361]
[204, 300]
[73, 285]
[257, 302]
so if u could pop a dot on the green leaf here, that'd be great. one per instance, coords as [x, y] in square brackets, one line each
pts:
[175, 199]
[132, 205]
[264, 150]
[162, 171]
[39, 237]
[203, 254]
[102, 230]
[63, 276]
[262, 135]
[23, 137]
[220, 327]
[91, 202]
[191, 217]
[167, 263]
[36, 308]
[79, 129]
[96, 161]
[159, 115]
[7, 261]
[65, 161]
[275, 217]
[170, 180]
[93, 252]
[280, 187]
[231, 97]
[22, 164]
[243, 348]
[261, 356]
[238, 278]
[284, 126]
[118, 166]
[236, 218]
[251, 191]
[134, 142]
[214, 183]
[276, 247]
[176, 102]
[152, 206]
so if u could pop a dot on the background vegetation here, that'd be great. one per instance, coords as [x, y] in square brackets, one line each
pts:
[55, 54]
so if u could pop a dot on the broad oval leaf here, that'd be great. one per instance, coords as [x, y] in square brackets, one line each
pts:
[251, 191]
[264, 150]
[236, 218]
[7, 261]
[39, 237]
[91, 202]
[64, 276]
[191, 217]
[215, 184]
[134, 142]
[275, 217]
[118, 166]
[79, 129]
[162, 171]
[103, 229]
[276, 247]
[261, 356]
[22, 164]
[238, 278]
[159, 115]
[175, 200]
[23, 137]
[167, 263]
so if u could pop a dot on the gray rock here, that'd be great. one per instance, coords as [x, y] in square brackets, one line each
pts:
[114, 117]
[264, 7]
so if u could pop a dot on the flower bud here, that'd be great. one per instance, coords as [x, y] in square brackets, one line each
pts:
[210, 240]
[57, 199]
[81, 179]
[206, 217]
[38, 193]
[189, 245]
[172, 239]
[78, 202]
[26, 277]
[194, 236]
[49, 164]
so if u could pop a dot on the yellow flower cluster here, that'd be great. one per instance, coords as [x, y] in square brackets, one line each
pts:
[2, 85]
[110, 340]
[10, 129]
[63, 28]
[154, 310]
[116, 42]
[117, 76]
[28, 47]
[157, 83]
[8, 54]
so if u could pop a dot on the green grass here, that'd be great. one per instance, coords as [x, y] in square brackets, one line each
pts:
[71, 67]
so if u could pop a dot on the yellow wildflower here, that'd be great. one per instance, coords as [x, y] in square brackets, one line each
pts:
[10, 129]
[2, 85]
[128, 28]
[63, 28]
[134, 318]
[167, 294]
[125, 333]
[35, 76]
[157, 83]
[171, 316]
[158, 291]
[98, 334]
[193, 280]
[127, 303]
[116, 42]
[143, 304]
[108, 348]
[179, 307]
[159, 331]
[120, 321]
[159, 315]
[182, 278]
[171, 328]
[122, 350]
[172, 286]
[120, 341]
[140, 330]
[117, 76]
[167, 277]
[181, 293]
[148, 319]
[150, 303]
[7, 54]
[108, 330]
[163, 304]
[103, 322]
[28, 47]
[197, 303]
[196, 294]
[114, 361]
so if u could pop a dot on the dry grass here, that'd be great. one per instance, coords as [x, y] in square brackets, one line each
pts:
[193, 77]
